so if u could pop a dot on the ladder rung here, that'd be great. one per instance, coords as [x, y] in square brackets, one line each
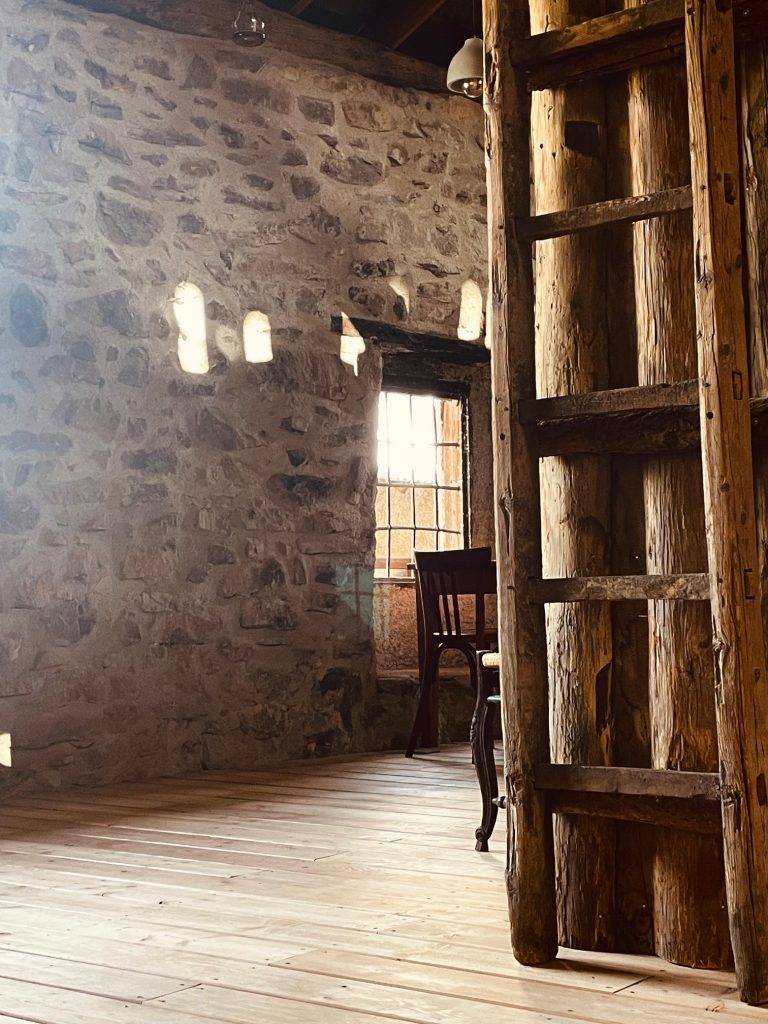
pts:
[616, 42]
[612, 211]
[700, 816]
[648, 782]
[618, 400]
[637, 421]
[684, 587]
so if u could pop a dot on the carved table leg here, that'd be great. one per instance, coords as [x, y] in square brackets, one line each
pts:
[481, 742]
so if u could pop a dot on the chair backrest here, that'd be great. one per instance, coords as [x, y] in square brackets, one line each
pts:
[443, 577]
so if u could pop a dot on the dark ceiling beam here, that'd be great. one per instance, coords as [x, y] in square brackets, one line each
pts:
[402, 21]
[299, 6]
[437, 346]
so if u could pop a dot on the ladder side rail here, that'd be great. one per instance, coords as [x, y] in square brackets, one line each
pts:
[522, 638]
[741, 683]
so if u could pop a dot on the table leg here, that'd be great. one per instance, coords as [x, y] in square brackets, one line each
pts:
[481, 741]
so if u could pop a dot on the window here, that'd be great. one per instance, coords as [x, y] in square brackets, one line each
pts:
[420, 498]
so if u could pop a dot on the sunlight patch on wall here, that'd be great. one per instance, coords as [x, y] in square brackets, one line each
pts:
[257, 338]
[352, 344]
[400, 287]
[5, 750]
[189, 312]
[471, 311]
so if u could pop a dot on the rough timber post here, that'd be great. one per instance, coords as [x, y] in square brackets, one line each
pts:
[754, 113]
[568, 139]
[522, 642]
[741, 684]
[690, 923]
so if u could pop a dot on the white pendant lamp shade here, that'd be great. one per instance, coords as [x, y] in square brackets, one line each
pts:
[465, 72]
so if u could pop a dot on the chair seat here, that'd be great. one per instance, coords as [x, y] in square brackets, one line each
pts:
[490, 636]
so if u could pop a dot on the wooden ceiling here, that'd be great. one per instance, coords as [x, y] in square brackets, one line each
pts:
[432, 30]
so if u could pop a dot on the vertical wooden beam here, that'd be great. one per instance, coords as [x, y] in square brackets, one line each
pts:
[522, 641]
[741, 684]
[754, 114]
[569, 147]
[633, 897]
[690, 923]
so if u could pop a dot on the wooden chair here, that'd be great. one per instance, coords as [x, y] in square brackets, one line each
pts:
[442, 578]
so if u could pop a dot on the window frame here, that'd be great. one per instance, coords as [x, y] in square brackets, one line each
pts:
[458, 391]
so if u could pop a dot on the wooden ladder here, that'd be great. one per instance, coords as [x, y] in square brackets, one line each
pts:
[713, 413]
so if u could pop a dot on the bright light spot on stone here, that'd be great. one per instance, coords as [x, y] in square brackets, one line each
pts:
[400, 287]
[352, 344]
[257, 338]
[471, 311]
[189, 311]
[5, 750]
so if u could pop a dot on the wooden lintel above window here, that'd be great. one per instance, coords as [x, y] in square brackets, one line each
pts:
[439, 347]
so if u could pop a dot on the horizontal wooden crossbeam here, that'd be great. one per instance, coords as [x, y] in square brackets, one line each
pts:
[633, 421]
[685, 587]
[617, 400]
[700, 816]
[652, 782]
[689, 801]
[615, 42]
[612, 211]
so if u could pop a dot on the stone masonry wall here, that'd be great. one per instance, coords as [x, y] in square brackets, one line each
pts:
[186, 558]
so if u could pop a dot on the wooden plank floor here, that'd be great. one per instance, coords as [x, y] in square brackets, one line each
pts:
[334, 892]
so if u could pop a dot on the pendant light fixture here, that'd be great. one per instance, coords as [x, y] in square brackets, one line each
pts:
[248, 29]
[465, 72]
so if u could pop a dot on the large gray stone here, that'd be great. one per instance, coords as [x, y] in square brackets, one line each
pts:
[28, 317]
[352, 170]
[126, 224]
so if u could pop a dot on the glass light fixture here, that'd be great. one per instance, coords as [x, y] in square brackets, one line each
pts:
[465, 72]
[248, 29]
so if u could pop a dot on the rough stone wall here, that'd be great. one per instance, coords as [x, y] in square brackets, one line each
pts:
[187, 558]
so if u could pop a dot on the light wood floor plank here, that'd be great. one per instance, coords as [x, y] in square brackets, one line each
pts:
[345, 891]
[528, 994]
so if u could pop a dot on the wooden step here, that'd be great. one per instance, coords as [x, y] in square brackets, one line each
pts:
[617, 400]
[683, 587]
[689, 801]
[634, 421]
[628, 781]
[613, 211]
[615, 42]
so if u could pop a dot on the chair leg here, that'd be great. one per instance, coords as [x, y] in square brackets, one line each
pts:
[475, 674]
[481, 739]
[424, 725]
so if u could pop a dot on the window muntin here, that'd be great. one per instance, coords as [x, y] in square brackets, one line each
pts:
[420, 499]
